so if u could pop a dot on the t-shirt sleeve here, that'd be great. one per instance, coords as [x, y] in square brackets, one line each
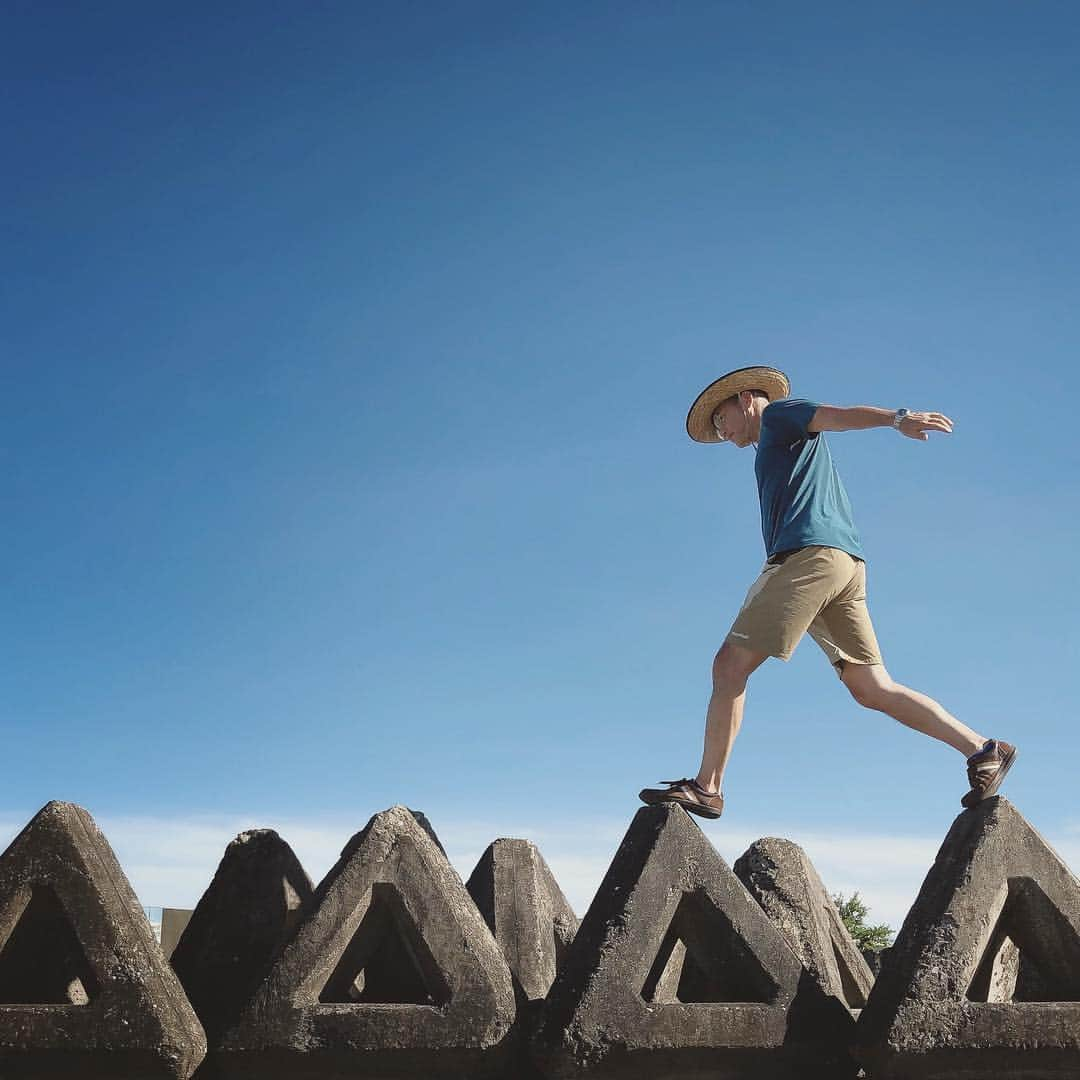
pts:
[789, 417]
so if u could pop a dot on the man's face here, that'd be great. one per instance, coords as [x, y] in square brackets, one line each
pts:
[734, 422]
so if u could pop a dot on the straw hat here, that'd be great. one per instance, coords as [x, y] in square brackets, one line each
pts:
[774, 384]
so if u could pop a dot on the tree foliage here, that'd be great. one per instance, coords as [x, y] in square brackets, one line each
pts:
[853, 912]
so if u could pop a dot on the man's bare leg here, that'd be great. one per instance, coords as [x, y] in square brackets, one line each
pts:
[872, 686]
[723, 718]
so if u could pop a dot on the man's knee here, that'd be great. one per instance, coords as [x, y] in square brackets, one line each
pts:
[735, 663]
[869, 684]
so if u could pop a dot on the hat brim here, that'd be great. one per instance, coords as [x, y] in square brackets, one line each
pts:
[771, 382]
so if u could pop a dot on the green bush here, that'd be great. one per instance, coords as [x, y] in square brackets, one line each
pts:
[853, 912]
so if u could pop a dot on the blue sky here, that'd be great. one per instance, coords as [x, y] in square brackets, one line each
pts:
[346, 353]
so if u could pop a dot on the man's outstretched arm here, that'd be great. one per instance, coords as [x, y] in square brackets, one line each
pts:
[915, 425]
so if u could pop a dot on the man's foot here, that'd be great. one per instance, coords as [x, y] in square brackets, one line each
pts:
[689, 794]
[986, 769]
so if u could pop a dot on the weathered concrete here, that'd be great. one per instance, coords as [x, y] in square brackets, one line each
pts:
[84, 988]
[780, 876]
[246, 913]
[523, 905]
[675, 971]
[392, 972]
[940, 1007]
[874, 959]
[422, 820]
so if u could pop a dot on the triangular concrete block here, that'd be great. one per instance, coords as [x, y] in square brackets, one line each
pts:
[676, 971]
[782, 879]
[248, 911]
[392, 971]
[526, 910]
[998, 916]
[84, 988]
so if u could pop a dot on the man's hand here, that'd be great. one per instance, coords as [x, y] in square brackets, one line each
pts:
[917, 425]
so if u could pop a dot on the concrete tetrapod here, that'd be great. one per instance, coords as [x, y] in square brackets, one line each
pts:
[781, 878]
[84, 988]
[676, 972]
[947, 1003]
[246, 913]
[523, 905]
[392, 972]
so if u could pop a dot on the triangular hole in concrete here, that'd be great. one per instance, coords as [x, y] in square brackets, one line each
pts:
[702, 959]
[386, 961]
[1032, 954]
[42, 962]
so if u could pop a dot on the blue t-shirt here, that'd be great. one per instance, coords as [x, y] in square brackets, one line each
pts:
[803, 501]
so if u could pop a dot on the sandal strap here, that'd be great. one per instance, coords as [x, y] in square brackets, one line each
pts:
[693, 783]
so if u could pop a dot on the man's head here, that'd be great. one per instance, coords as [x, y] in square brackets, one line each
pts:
[737, 419]
[736, 401]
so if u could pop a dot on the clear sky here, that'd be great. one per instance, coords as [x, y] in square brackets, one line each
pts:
[346, 353]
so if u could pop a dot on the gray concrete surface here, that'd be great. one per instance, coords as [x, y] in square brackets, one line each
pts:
[84, 988]
[526, 910]
[248, 911]
[392, 972]
[780, 876]
[677, 972]
[941, 1007]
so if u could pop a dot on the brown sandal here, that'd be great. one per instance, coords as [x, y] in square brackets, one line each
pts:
[986, 769]
[689, 794]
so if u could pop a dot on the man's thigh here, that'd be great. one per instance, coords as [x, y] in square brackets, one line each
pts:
[786, 598]
[843, 628]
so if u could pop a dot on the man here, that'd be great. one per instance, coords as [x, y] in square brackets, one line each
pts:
[814, 578]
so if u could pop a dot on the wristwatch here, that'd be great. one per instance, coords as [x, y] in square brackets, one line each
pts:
[900, 414]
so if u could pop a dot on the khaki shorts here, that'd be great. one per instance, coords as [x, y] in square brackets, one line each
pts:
[820, 589]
